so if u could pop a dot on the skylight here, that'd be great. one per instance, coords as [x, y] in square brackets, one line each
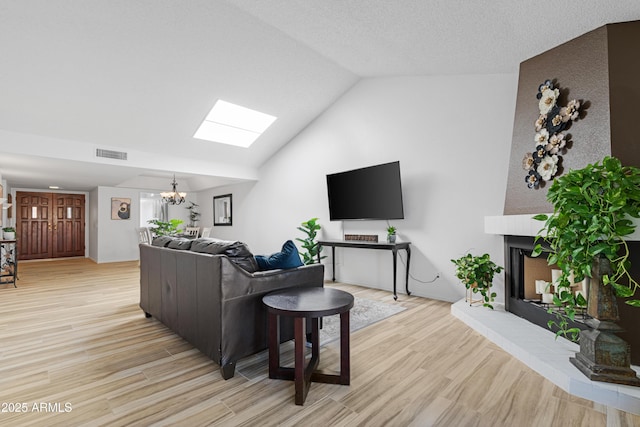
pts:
[232, 124]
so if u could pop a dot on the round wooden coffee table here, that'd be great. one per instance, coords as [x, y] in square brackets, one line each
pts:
[301, 304]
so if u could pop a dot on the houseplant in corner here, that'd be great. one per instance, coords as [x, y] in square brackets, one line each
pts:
[476, 273]
[309, 244]
[585, 236]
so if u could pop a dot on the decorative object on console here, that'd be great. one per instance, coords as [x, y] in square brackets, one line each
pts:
[550, 140]
[309, 244]
[120, 208]
[173, 197]
[476, 273]
[391, 234]
[593, 207]
[222, 210]
[361, 237]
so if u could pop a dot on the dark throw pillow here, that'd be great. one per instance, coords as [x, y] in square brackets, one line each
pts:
[288, 257]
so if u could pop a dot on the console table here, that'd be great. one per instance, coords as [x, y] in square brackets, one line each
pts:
[358, 244]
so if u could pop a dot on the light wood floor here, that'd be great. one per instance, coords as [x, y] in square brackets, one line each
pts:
[73, 334]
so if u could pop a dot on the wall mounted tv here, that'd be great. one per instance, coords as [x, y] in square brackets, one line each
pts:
[374, 192]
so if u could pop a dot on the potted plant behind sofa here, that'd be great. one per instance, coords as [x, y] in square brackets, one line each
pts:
[163, 228]
[592, 211]
[309, 244]
[476, 273]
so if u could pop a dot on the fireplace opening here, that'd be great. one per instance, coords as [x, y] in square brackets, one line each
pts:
[529, 283]
[522, 299]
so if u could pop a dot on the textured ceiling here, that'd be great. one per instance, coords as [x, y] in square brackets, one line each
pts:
[140, 75]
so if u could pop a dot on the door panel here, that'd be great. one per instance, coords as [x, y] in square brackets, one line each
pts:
[33, 225]
[50, 225]
[68, 229]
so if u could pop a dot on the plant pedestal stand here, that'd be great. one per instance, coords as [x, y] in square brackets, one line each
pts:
[469, 296]
[603, 355]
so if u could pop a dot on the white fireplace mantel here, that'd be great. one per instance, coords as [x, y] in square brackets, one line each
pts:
[525, 225]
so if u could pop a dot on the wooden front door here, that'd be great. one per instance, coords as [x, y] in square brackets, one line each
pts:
[50, 225]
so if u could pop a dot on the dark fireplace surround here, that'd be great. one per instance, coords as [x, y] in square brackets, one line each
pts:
[600, 68]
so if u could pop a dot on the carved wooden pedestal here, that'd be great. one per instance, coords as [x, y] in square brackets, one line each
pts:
[603, 355]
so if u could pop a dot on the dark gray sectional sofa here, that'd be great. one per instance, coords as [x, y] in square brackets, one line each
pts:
[209, 292]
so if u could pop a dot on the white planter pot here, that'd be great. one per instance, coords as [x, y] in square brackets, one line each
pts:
[9, 235]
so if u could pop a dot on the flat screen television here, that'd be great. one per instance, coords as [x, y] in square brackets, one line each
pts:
[374, 192]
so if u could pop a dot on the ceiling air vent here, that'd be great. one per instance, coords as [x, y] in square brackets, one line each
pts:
[110, 154]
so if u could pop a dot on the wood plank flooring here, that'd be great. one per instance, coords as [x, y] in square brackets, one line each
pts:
[75, 349]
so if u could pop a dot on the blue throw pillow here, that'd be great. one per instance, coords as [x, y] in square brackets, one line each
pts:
[288, 257]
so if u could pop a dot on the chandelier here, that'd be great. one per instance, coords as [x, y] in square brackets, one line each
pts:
[173, 197]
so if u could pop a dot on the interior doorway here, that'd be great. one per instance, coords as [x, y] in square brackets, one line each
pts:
[50, 225]
[152, 207]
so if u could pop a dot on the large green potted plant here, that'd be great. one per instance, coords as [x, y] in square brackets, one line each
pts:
[585, 236]
[309, 243]
[165, 228]
[476, 273]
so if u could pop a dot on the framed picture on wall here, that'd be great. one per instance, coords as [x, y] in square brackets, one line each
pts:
[222, 212]
[120, 208]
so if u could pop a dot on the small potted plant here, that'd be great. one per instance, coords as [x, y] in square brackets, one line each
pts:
[9, 233]
[391, 234]
[476, 273]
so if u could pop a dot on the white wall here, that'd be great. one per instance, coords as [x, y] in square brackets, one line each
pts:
[117, 240]
[452, 136]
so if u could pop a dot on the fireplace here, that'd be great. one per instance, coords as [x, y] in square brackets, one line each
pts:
[521, 270]
[521, 299]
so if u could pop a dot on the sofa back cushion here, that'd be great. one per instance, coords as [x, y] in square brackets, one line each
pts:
[180, 243]
[162, 241]
[237, 252]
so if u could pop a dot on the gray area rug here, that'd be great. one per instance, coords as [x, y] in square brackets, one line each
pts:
[363, 313]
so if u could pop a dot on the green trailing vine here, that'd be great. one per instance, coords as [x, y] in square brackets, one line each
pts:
[476, 273]
[593, 207]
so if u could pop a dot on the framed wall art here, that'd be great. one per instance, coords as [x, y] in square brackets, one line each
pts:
[120, 208]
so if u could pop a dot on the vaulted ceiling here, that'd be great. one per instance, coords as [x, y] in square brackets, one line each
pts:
[138, 76]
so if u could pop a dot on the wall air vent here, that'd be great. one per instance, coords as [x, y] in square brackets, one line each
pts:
[110, 154]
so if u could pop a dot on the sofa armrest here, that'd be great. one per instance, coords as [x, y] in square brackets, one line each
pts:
[243, 310]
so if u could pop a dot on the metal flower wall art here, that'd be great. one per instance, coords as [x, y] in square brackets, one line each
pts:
[550, 139]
